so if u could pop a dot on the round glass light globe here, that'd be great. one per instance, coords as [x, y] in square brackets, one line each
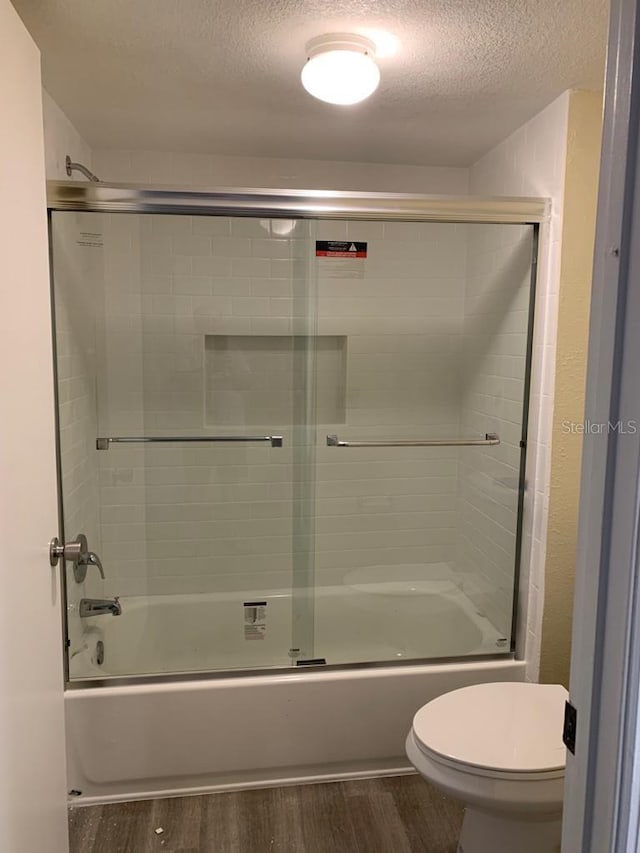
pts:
[341, 77]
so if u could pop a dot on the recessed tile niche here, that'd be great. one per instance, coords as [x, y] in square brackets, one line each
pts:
[261, 379]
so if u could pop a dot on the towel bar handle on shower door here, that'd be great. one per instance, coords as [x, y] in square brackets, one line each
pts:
[491, 438]
[105, 443]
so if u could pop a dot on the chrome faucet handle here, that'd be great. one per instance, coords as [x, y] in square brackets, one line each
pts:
[92, 559]
[77, 553]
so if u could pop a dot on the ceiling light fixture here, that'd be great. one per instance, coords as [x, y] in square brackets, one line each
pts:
[341, 68]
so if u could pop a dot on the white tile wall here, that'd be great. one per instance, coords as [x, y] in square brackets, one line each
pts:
[531, 162]
[403, 321]
[495, 344]
[201, 518]
[197, 517]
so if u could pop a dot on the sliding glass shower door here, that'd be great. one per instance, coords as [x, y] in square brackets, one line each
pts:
[289, 442]
[187, 437]
[420, 472]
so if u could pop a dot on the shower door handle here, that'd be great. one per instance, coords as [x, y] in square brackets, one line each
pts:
[105, 442]
[490, 439]
[76, 552]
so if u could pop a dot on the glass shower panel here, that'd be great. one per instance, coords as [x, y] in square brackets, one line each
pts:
[290, 441]
[418, 484]
[185, 395]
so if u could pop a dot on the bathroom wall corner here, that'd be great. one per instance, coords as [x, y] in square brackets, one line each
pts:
[574, 297]
[61, 139]
[531, 162]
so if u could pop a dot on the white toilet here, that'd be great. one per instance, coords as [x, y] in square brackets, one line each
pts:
[497, 748]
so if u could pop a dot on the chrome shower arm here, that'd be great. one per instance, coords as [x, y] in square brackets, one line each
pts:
[78, 167]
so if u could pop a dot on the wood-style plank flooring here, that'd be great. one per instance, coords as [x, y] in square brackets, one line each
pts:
[390, 815]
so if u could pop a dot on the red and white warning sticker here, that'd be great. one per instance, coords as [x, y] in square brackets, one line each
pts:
[340, 249]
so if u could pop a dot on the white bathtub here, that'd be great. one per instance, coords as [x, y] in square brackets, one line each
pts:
[359, 623]
[203, 734]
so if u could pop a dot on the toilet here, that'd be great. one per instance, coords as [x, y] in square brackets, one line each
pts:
[498, 749]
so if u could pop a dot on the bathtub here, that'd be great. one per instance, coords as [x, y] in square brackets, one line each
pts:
[198, 732]
[349, 623]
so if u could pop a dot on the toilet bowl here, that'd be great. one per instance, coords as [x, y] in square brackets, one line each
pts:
[498, 749]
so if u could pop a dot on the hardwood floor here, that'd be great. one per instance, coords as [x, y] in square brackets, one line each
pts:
[401, 814]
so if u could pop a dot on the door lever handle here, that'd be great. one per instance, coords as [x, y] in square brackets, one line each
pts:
[94, 560]
[76, 552]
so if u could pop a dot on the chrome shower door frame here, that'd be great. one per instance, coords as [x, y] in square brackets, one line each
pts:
[299, 204]
[103, 197]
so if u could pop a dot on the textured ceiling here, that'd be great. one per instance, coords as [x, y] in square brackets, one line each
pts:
[222, 76]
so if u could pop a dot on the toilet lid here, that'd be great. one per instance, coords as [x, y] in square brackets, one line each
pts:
[508, 726]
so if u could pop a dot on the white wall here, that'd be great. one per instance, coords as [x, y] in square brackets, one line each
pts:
[32, 776]
[170, 168]
[180, 169]
[61, 138]
[531, 162]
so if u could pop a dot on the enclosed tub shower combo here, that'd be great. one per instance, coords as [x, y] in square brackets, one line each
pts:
[292, 440]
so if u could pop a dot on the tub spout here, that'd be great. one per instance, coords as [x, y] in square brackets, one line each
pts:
[99, 606]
